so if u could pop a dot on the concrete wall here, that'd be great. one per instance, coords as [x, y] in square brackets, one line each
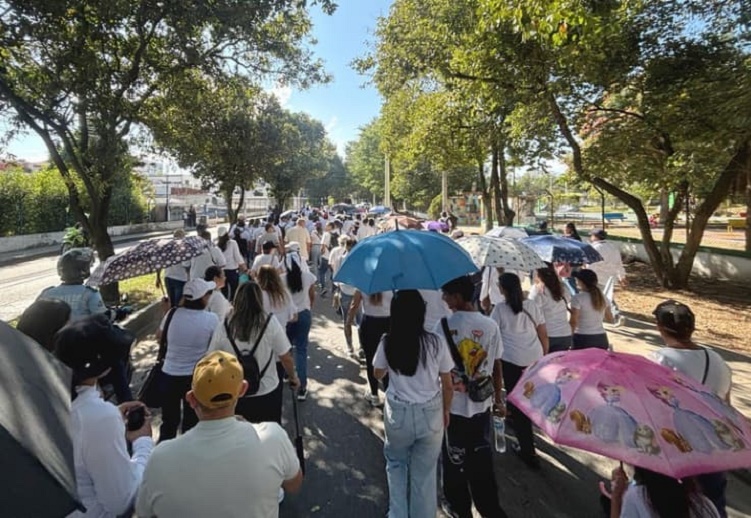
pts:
[709, 262]
[29, 241]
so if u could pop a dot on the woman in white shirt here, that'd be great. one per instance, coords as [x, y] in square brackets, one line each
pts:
[301, 284]
[249, 324]
[235, 262]
[525, 341]
[107, 477]
[218, 304]
[375, 323]
[589, 309]
[552, 298]
[652, 495]
[188, 335]
[277, 300]
[418, 403]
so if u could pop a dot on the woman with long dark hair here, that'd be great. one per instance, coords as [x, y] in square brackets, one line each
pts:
[589, 309]
[552, 298]
[375, 322]
[525, 341]
[301, 285]
[235, 262]
[570, 231]
[247, 324]
[657, 496]
[418, 403]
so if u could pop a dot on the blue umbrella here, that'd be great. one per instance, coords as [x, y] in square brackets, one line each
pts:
[404, 259]
[379, 209]
[554, 249]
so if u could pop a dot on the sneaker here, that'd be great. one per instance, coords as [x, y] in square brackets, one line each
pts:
[447, 511]
[302, 394]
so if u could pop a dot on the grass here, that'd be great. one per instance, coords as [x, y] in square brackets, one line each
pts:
[141, 291]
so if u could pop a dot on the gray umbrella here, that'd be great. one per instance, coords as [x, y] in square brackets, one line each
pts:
[38, 477]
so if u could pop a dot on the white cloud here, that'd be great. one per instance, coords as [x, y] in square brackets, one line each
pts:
[282, 93]
[331, 124]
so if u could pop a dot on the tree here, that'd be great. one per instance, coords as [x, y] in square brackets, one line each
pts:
[365, 160]
[336, 183]
[79, 73]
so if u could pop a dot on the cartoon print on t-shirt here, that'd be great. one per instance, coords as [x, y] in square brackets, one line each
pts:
[473, 355]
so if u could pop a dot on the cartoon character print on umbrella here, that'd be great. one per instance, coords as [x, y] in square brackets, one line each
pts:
[547, 397]
[613, 425]
[694, 432]
[732, 416]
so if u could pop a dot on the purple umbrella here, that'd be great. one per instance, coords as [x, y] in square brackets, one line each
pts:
[436, 226]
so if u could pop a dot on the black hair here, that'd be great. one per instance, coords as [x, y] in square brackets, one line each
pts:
[212, 272]
[668, 497]
[222, 241]
[43, 319]
[461, 286]
[198, 304]
[589, 279]
[294, 277]
[550, 279]
[512, 290]
[571, 227]
[406, 343]
[248, 315]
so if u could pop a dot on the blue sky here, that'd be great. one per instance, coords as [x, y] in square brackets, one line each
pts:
[342, 105]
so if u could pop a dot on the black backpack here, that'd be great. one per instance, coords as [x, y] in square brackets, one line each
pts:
[252, 372]
[334, 240]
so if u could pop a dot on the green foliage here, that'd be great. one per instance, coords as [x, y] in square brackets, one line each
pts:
[335, 184]
[365, 160]
[435, 208]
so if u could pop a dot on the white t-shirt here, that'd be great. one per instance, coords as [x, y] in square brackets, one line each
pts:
[283, 312]
[521, 346]
[479, 342]
[555, 312]
[301, 299]
[435, 308]
[232, 256]
[315, 239]
[377, 310]
[179, 271]
[301, 236]
[425, 384]
[490, 286]
[273, 344]
[692, 363]
[263, 259]
[211, 257]
[188, 338]
[611, 264]
[326, 245]
[336, 258]
[223, 467]
[219, 305]
[636, 505]
[590, 320]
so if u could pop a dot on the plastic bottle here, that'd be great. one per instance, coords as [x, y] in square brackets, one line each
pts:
[499, 426]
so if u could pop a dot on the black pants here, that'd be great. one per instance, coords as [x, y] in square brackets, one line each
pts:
[586, 341]
[370, 333]
[519, 420]
[174, 407]
[260, 409]
[230, 284]
[468, 467]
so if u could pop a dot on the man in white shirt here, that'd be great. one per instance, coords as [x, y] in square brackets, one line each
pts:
[224, 466]
[676, 324]
[211, 257]
[300, 235]
[107, 477]
[468, 474]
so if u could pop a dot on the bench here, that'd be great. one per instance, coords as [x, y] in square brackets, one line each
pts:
[610, 216]
[736, 223]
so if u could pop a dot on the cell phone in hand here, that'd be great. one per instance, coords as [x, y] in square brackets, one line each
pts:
[136, 417]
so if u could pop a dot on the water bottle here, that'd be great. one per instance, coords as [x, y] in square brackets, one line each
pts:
[499, 426]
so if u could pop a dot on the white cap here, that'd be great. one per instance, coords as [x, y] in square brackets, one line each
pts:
[221, 231]
[197, 288]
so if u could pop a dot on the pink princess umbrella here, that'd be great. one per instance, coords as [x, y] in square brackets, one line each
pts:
[630, 409]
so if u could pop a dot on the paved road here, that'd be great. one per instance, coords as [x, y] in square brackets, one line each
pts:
[21, 283]
[344, 442]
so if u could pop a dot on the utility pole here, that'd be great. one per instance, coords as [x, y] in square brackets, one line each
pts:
[387, 183]
[166, 206]
[445, 191]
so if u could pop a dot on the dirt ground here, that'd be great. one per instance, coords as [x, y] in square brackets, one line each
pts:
[722, 308]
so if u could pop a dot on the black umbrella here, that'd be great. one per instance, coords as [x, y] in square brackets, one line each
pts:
[298, 437]
[38, 478]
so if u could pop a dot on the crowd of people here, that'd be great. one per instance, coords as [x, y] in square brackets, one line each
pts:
[238, 329]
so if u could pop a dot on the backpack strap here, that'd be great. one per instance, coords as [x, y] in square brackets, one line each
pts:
[452, 346]
[163, 339]
[255, 346]
[706, 366]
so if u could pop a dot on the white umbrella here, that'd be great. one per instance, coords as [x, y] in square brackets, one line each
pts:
[501, 252]
[510, 232]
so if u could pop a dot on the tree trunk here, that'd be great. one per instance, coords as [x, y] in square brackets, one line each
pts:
[508, 213]
[487, 211]
[664, 205]
[101, 241]
[495, 187]
[233, 213]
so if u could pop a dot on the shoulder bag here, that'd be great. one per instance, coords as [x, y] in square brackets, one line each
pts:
[478, 389]
[252, 372]
[154, 386]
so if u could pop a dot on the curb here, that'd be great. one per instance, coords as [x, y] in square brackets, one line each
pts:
[144, 322]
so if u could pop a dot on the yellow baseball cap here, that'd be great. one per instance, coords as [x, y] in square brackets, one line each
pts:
[217, 379]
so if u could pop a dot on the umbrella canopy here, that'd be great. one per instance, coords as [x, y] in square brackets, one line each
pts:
[554, 249]
[438, 226]
[287, 214]
[501, 252]
[146, 257]
[628, 408]
[35, 430]
[404, 259]
[402, 222]
[511, 232]
[379, 209]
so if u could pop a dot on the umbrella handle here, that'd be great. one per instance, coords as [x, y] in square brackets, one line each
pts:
[294, 411]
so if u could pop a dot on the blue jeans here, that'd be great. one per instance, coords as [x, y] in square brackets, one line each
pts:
[174, 290]
[414, 433]
[315, 257]
[323, 272]
[298, 332]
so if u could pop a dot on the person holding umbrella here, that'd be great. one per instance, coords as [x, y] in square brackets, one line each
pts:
[106, 475]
